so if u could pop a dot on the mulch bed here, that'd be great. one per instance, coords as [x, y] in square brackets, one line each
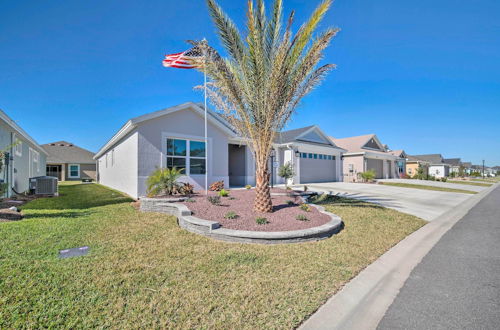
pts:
[283, 218]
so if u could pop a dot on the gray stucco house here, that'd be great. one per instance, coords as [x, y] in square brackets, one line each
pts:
[68, 162]
[25, 157]
[175, 137]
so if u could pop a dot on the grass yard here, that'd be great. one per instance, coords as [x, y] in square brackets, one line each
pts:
[143, 271]
[471, 183]
[425, 187]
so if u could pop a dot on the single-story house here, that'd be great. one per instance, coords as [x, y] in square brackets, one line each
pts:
[401, 162]
[467, 167]
[174, 137]
[437, 167]
[454, 163]
[24, 157]
[68, 162]
[413, 163]
[364, 153]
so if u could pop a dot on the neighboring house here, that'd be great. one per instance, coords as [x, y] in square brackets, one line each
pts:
[26, 158]
[412, 165]
[68, 162]
[364, 153]
[467, 167]
[175, 137]
[496, 170]
[401, 162]
[454, 163]
[437, 167]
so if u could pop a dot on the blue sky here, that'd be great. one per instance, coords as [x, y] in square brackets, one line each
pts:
[423, 75]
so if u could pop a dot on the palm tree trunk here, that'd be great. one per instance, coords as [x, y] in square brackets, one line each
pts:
[262, 201]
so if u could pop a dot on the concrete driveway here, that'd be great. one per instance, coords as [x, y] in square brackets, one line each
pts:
[425, 204]
[437, 184]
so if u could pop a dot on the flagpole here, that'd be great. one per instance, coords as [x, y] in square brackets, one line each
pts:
[206, 138]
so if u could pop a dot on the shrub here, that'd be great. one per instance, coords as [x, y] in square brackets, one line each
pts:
[223, 193]
[186, 189]
[286, 172]
[261, 221]
[164, 181]
[248, 187]
[305, 188]
[301, 217]
[216, 186]
[443, 179]
[191, 200]
[214, 200]
[368, 176]
[231, 215]
[289, 202]
[305, 207]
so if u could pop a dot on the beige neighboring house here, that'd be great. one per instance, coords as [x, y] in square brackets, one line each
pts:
[413, 163]
[68, 162]
[364, 153]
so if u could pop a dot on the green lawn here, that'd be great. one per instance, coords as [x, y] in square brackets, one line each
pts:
[425, 187]
[143, 271]
[480, 184]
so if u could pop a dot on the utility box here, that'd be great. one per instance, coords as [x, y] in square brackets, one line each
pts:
[43, 185]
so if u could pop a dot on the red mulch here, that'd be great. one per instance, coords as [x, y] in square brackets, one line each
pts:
[283, 218]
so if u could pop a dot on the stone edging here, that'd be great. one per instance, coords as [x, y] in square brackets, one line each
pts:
[214, 230]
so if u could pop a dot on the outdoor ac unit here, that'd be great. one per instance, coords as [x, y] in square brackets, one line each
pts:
[43, 185]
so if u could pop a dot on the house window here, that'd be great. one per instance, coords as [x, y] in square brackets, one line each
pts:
[18, 147]
[304, 155]
[186, 154]
[315, 156]
[74, 171]
[310, 155]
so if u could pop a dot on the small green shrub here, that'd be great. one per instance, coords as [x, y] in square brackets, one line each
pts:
[191, 200]
[443, 179]
[231, 215]
[261, 221]
[286, 172]
[248, 187]
[301, 217]
[305, 207]
[289, 202]
[223, 193]
[368, 176]
[214, 200]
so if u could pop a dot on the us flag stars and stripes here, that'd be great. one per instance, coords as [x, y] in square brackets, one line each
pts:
[190, 59]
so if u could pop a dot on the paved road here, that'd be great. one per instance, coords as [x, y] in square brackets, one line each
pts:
[457, 285]
[437, 184]
[426, 204]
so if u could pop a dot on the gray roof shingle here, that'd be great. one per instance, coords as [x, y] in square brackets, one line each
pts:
[63, 152]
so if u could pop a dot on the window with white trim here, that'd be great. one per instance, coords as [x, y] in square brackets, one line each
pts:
[18, 146]
[74, 171]
[187, 154]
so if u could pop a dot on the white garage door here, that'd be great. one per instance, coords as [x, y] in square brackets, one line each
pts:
[317, 168]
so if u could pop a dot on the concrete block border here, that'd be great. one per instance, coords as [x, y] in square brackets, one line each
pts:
[214, 230]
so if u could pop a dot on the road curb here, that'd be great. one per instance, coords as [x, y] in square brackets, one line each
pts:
[363, 301]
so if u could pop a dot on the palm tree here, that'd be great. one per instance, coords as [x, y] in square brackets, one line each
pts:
[164, 181]
[265, 75]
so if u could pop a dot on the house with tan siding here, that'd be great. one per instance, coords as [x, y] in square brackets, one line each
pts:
[68, 162]
[364, 153]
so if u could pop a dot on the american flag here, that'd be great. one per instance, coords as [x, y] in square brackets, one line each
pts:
[190, 59]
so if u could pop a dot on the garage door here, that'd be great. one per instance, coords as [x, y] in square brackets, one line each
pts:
[317, 168]
[377, 165]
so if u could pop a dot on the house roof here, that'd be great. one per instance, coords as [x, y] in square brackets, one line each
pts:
[452, 161]
[133, 123]
[399, 153]
[64, 152]
[431, 158]
[5, 118]
[467, 164]
[357, 144]
[291, 135]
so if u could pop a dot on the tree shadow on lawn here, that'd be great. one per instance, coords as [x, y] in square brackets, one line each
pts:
[57, 214]
[343, 201]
